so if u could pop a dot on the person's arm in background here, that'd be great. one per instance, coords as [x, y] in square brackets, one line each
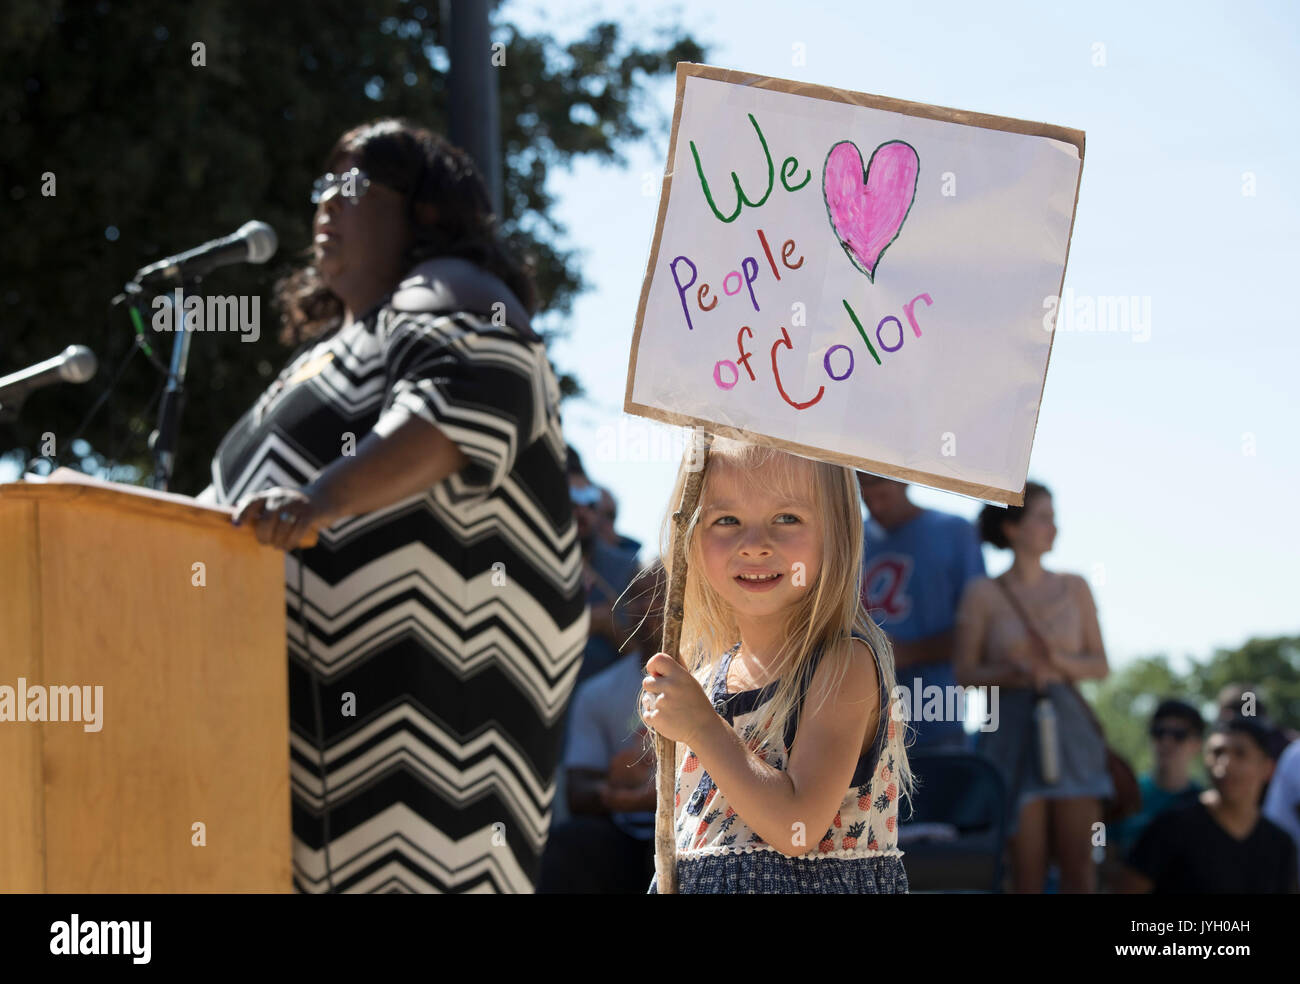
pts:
[586, 755]
[1090, 664]
[970, 634]
[627, 786]
[630, 784]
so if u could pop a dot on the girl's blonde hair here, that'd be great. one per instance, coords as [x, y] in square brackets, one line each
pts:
[830, 608]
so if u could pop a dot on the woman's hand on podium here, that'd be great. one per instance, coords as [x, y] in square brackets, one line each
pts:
[386, 469]
[281, 517]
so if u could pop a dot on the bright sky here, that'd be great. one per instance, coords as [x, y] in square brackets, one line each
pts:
[1171, 459]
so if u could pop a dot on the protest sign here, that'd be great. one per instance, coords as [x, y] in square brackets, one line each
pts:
[856, 279]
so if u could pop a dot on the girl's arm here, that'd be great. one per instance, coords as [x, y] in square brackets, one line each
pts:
[968, 645]
[791, 808]
[1091, 664]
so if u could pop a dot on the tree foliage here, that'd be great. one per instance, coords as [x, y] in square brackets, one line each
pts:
[1125, 700]
[152, 153]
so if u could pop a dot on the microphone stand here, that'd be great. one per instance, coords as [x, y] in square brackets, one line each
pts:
[162, 442]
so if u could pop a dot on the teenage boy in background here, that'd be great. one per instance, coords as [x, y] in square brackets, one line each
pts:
[1220, 843]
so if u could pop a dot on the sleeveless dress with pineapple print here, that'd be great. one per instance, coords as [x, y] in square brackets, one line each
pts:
[858, 854]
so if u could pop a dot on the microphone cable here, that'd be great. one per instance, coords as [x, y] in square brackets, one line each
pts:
[140, 343]
[319, 721]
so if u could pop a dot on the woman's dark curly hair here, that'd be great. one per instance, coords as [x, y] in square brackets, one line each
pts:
[992, 517]
[426, 168]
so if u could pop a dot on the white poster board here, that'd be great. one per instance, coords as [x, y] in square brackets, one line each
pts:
[856, 279]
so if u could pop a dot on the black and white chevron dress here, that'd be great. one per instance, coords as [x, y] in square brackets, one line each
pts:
[438, 640]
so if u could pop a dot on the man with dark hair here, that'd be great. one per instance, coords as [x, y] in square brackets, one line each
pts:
[1177, 730]
[1239, 700]
[1220, 843]
[1243, 699]
[573, 464]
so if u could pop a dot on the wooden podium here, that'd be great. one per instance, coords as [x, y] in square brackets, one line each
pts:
[99, 588]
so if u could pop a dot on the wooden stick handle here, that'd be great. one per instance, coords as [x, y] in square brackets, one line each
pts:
[666, 748]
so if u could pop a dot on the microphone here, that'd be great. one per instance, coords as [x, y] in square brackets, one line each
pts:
[253, 242]
[75, 364]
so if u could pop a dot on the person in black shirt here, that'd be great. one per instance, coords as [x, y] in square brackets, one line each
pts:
[1219, 844]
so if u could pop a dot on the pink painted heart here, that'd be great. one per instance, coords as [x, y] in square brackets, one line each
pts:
[867, 207]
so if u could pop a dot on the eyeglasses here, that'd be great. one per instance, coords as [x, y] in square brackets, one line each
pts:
[1177, 734]
[351, 185]
[586, 495]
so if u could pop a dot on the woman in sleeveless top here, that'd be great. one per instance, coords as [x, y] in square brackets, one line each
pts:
[994, 648]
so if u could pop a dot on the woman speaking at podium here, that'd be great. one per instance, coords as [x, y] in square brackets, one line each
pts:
[436, 628]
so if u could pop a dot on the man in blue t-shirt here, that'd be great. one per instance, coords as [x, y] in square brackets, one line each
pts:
[916, 564]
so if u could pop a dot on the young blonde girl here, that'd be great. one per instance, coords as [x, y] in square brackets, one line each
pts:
[790, 763]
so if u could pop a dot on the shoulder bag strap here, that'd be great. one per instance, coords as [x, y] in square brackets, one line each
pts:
[1041, 645]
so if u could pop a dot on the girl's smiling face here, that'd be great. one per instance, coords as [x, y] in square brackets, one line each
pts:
[752, 524]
